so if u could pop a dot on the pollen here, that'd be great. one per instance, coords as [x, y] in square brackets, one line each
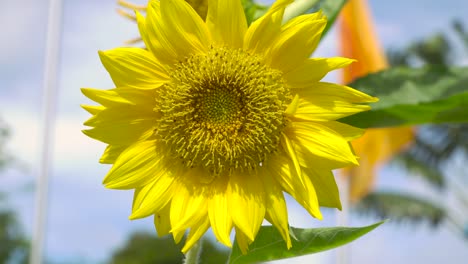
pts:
[223, 111]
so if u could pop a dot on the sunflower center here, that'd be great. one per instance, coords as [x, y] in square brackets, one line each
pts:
[219, 106]
[222, 111]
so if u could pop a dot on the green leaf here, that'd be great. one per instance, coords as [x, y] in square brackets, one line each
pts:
[331, 9]
[269, 245]
[253, 10]
[413, 96]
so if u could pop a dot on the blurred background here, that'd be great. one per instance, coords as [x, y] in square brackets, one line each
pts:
[423, 190]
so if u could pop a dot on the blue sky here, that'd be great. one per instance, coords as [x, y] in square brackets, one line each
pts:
[89, 221]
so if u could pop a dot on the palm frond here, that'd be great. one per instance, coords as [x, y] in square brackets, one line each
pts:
[421, 169]
[401, 207]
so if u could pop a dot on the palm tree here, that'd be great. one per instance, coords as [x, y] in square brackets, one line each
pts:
[433, 154]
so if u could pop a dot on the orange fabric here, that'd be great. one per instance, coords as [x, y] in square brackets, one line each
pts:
[377, 146]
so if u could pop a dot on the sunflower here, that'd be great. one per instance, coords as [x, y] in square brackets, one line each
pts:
[215, 120]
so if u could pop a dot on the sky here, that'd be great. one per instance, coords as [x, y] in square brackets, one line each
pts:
[86, 221]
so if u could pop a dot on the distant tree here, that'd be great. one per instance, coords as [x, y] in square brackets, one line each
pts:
[147, 248]
[13, 245]
[4, 133]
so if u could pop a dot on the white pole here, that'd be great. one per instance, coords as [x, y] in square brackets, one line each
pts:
[49, 99]
[342, 219]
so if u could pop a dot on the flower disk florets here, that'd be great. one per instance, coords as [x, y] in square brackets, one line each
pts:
[223, 110]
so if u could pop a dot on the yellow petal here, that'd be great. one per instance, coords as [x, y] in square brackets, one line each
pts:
[201, 6]
[296, 42]
[120, 96]
[141, 22]
[278, 168]
[124, 113]
[321, 141]
[292, 107]
[277, 213]
[156, 38]
[247, 203]
[291, 153]
[136, 166]
[111, 153]
[128, 115]
[312, 161]
[242, 241]
[322, 109]
[309, 197]
[220, 213]
[178, 235]
[345, 130]
[302, 191]
[313, 70]
[189, 203]
[162, 222]
[175, 31]
[93, 109]
[264, 30]
[196, 232]
[122, 132]
[134, 67]
[227, 23]
[328, 101]
[153, 197]
[325, 186]
[342, 92]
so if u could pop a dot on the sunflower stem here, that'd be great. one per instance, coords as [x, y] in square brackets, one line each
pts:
[297, 8]
[193, 255]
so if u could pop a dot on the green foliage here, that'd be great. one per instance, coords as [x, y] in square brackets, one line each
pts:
[429, 50]
[331, 9]
[461, 32]
[253, 10]
[400, 207]
[269, 245]
[433, 50]
[434, 145]
[4, 133]
[14, 247]
[433, 94]
[146, 248]
[212, 253]
[411, 96]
